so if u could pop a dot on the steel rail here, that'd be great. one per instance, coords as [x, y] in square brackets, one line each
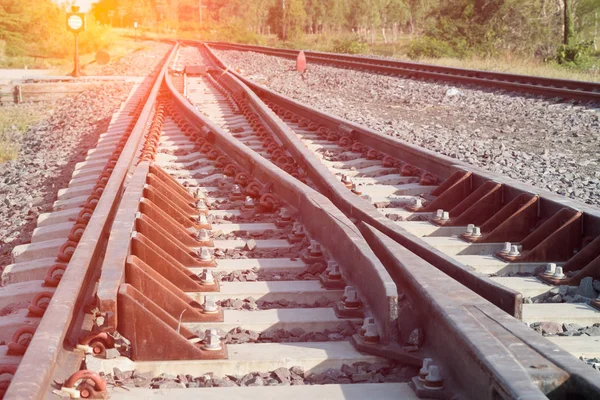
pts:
[548, 87]
[51, 354]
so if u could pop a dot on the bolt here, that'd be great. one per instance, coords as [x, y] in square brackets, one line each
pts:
[476, 232]
[351, 300]
[201, 205]
[333, 270]
[356, 189]
[434, 379]
[212, 341]
[315, 249]
[366, 322]
[237, 190]
[418, 202]
[205, 254]
[424, 371]
[445, 216]
[439, 213]
[558, 274]
[203, 235]
[202, 220]
[371, 333]
[514, 251]
[550, 269]
[249, 203]
[200, 194]
[346, 180]
[284, 214]
[209, 306]
[506, 248]
[300, 231]
[207, 277]
[470, 228]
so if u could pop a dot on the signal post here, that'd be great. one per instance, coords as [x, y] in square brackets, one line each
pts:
[76, 24]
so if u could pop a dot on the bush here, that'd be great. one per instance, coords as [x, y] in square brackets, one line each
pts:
[577, 55]
[238, 34]
[350, 45]
[428, 47]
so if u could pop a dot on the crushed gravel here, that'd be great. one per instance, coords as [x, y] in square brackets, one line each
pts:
[251, 304]
[240, 335]
[551, 145]
[49, 152]
[556, 329]
[258, 275]
[587, 290]
[358, 372]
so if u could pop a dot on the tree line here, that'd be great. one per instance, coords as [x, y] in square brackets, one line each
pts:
[456, 28]
[534, 27]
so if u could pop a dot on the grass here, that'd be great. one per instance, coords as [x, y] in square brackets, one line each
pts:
[518, 66]
[15, 120]
[508, 63]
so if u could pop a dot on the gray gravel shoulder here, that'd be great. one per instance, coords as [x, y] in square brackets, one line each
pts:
[49, 152]
[551, 145]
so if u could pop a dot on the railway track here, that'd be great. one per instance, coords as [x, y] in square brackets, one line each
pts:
[547, 87]
[208, 263]
[510, 243]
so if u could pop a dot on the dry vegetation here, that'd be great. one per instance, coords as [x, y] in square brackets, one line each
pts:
[15, 120]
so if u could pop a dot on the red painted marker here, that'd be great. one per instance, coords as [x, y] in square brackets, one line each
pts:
[301, 62]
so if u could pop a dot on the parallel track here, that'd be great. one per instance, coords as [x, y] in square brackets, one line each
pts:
[547, 87]
[212, 183]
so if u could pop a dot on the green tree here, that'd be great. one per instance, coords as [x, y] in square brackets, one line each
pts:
[569, 25]
[287, 18]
